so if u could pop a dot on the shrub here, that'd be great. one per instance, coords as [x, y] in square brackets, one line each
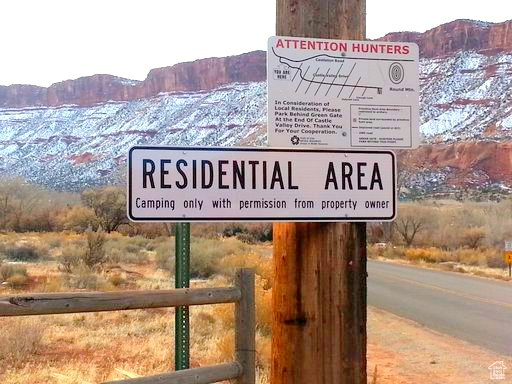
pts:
[494, 259]
[39, 220]
[206, 230]
[430, 255]
[261, 264]
[164, 256]
[394, 252]
[114, 256]
[159, 241]
[468, 256]
[9, 270]
[123, 249]
[53, 284]
[146, 230]
[109, 206]
[17, 281]
[117, 279]
[54, 242]
[78, 218]
[25, 253]
[80, 274]
[94, 255]
[247, 238]
[132, 248]
[207, 253]
[262, 231]
[249, 233]
[85, 278]
[378, 249]
[139, 258]
[472, 237]
[70, 258]
[233, 230]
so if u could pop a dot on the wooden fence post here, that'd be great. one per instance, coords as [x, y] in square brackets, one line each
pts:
[245, 327]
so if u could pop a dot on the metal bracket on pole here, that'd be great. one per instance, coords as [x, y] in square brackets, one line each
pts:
[182, 322]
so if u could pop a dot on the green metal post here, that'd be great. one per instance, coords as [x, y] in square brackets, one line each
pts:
[182, 322]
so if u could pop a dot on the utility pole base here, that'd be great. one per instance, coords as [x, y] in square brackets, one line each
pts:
[319, 302]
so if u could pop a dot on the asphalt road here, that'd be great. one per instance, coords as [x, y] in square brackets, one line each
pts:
[469, 308]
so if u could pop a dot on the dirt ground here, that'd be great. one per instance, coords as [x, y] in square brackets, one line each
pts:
[405, 352]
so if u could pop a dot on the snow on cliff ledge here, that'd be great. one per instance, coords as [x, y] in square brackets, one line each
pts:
[464, 97]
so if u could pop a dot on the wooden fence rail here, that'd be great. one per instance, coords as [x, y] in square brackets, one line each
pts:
[203, 375]
[77, 302]
[243, 369]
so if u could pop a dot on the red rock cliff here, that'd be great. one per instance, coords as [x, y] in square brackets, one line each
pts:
[210, 73]
[458, 35]
[199, 75]
[494, 158]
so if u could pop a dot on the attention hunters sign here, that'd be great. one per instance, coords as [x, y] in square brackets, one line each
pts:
[342, 94]
[259, 184]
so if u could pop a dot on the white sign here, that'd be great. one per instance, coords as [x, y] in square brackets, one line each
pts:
[342, 94]
[508, 245]
[259, 184]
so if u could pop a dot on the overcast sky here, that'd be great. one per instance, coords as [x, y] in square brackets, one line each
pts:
[46, 41]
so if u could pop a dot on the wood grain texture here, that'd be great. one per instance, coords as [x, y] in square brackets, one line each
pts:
[319, 304]
[330, 19]
[76, 302]
[319, 291]
[203, 375]
[245, 327]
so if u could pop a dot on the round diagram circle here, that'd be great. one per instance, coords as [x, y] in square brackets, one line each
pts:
[396, 73]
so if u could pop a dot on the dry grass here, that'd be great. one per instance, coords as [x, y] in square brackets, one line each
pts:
[258, 259]
[206, 254]
[89, 347]
[18, 281]
[19, 340]
[484, 261]
[483, 256]
[9, 270]
[93, 347]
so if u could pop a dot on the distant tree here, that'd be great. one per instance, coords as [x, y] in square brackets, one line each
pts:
[41, 220]
[17, 200]
[30, 207]
[411, 220]
[472, 237]
[6, 205]
[78, 218]
[109, 206]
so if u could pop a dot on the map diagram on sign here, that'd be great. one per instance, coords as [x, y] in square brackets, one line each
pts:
[342, 94]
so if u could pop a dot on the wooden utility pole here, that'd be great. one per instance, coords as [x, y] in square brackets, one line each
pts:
[319, 292]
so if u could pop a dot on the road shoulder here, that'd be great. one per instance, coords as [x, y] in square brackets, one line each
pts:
[406, 352]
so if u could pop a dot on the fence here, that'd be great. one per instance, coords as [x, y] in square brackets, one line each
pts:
[242, 294]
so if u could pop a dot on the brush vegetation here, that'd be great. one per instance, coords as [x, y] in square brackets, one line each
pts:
[52, 242]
